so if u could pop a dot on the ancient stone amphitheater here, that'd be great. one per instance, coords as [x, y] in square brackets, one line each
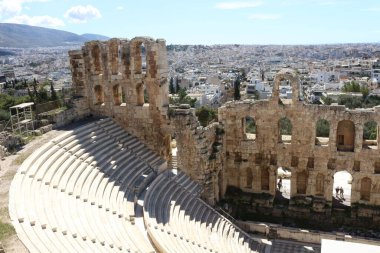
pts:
[99, 189]
[109, 185]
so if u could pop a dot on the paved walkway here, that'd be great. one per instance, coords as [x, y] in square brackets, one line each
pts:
[282, 246]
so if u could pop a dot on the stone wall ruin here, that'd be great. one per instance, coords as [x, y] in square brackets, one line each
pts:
[110, 79]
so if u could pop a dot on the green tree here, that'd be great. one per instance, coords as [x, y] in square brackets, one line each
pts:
[351, 87]
[42, 96]
[35, 92]
[355, 87]
[237, 89]
[53, 93]
[171, 86]
[183, 98]
[350, 101]
[365, 91]
[177, 87]
[285, 126]
[370, 131]
[323, 128]
[328, 100]
[250, 125]
[206, 115]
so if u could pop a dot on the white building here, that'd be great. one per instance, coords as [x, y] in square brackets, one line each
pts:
[263, 88]
[375, 71]
[325, 76]
[207, 94]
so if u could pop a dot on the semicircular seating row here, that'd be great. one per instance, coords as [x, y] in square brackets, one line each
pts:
[177, 220]
[81, 191]
[77, 192]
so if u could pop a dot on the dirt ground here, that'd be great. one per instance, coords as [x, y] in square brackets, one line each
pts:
[8, 168]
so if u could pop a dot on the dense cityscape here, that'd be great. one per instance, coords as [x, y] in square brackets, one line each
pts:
[208, 72]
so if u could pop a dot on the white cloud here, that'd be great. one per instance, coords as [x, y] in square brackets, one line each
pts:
[81, 13]
[120, 8]
[237, 5]
[45, 21]
[264, 16]
[13, 7]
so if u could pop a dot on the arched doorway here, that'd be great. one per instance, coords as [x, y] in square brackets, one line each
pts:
[342, 180]
[283, 184]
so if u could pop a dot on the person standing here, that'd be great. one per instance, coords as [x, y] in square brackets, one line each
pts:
[341, 192]
[279, 184]
[337, 189]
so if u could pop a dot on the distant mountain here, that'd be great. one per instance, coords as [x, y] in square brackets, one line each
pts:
[90, 36]
[21, 36]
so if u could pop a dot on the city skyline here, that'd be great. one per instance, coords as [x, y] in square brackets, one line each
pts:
[207, 22]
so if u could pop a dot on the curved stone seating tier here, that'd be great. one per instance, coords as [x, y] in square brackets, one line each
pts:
[77, 192]
[177, 220]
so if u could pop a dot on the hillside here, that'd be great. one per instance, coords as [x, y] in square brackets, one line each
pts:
[21, 36]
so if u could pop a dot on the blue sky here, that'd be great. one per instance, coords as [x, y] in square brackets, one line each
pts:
[207, 21]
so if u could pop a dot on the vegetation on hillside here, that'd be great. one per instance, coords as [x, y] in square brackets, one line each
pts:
[37, 93]
[206, 115]
[183, 98]
[355, 87]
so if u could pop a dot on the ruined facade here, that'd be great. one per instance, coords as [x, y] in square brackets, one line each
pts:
[125, 80]
[109, 79]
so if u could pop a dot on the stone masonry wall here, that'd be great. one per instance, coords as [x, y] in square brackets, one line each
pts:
[109, 79]
[199, 152]
[128, 82]
[301, 155]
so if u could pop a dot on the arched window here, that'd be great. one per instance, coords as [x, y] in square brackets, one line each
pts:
[345, 140]
[114, 56]
[140, 59]
[285, 130]
[287, 87]
[370, 131]
[249, 178]
[249, 126]
[95, 54]
[322, 132]
[320, 184]
[301, 182]
[365, 189]
[98, 92]
[265, 179]
[142, 94]
[117, 94]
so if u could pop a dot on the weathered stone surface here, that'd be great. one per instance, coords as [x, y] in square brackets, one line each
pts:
[109, 79]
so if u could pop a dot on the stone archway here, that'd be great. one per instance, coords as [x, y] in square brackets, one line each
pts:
[342, 180]
[345, 136]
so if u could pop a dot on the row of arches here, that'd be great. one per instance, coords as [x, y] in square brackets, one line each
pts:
[119, 96]
[340, 179]
[140, 59]
[345, 140]
[116, 49]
